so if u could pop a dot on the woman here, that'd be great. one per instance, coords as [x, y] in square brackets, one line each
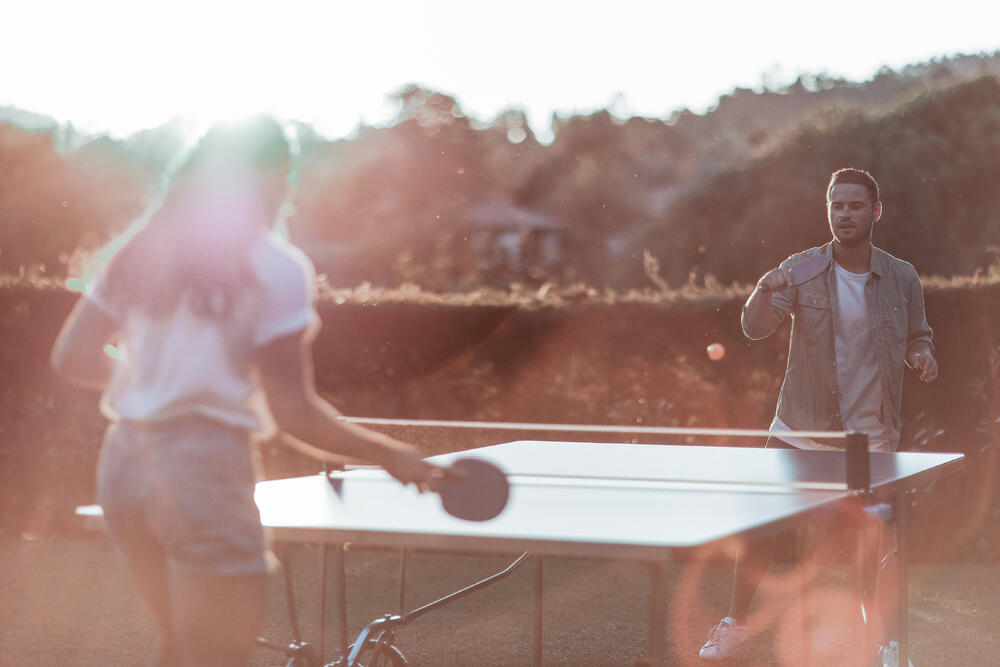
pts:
[213, 317]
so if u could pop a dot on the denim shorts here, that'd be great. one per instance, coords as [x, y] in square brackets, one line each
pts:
[181, 493]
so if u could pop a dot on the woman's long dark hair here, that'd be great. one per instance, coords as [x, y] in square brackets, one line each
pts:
[196, 240]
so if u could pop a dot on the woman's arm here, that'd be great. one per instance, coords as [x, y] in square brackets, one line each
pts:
[287, 374]
[78, 353]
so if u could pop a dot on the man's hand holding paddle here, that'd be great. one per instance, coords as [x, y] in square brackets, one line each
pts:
[775, 280]
[793, 276]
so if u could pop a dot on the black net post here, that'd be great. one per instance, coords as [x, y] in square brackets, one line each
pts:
[858, 472]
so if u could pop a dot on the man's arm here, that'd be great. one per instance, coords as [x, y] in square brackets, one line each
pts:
[767, 305]
[920, 348]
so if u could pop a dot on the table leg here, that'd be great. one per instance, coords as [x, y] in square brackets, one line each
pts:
[874, 520]
[865, 577]
[804, 539]
[293, 615]
[321, 630]
[402, 579]
[656, 637]
[902, 576]
[536, 655]
[341, 572]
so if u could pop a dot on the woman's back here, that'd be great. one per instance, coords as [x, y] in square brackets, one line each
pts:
[198, 360]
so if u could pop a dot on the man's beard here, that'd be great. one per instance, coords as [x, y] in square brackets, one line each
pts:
[855, 242]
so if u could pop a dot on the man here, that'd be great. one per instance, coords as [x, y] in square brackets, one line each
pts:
[853, 328]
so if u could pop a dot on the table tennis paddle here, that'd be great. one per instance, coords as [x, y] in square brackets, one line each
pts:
[470, 488]
[474, 489]
[805, 270]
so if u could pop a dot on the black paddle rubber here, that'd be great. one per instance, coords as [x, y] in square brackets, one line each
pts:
[476, 491]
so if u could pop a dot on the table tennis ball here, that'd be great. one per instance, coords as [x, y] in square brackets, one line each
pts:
[715, 351]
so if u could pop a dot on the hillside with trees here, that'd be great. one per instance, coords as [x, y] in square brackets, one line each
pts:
[935, 156]
[452, 203]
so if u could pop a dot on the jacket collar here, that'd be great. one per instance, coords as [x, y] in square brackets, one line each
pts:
[878, 262]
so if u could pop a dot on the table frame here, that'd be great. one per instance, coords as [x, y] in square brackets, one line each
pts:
[881, 502]
[878, 500]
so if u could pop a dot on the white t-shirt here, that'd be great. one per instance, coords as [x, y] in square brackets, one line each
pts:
[859, 388]
[857, 367]
[186, 365]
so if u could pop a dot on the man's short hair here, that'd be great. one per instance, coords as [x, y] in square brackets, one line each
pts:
[852, 176]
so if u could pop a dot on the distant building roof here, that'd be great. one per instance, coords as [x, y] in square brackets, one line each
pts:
[505, 215]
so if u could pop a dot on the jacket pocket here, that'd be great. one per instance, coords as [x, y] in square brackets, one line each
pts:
[896, 325]
[815, 315]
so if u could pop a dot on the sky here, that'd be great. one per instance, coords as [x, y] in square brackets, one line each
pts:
[119, 66]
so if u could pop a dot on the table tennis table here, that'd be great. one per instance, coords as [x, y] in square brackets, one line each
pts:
[647, 503]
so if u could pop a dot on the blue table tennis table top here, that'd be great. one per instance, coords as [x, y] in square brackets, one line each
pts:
[607, 500]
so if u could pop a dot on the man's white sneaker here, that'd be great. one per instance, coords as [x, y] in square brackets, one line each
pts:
[890, 655]
[724, 638]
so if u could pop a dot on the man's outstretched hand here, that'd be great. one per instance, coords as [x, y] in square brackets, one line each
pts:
[920, 358]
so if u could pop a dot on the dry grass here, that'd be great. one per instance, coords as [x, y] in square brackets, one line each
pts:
[709, 292]
[68, 601]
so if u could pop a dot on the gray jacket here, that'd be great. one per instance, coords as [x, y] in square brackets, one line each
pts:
[895, 304]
